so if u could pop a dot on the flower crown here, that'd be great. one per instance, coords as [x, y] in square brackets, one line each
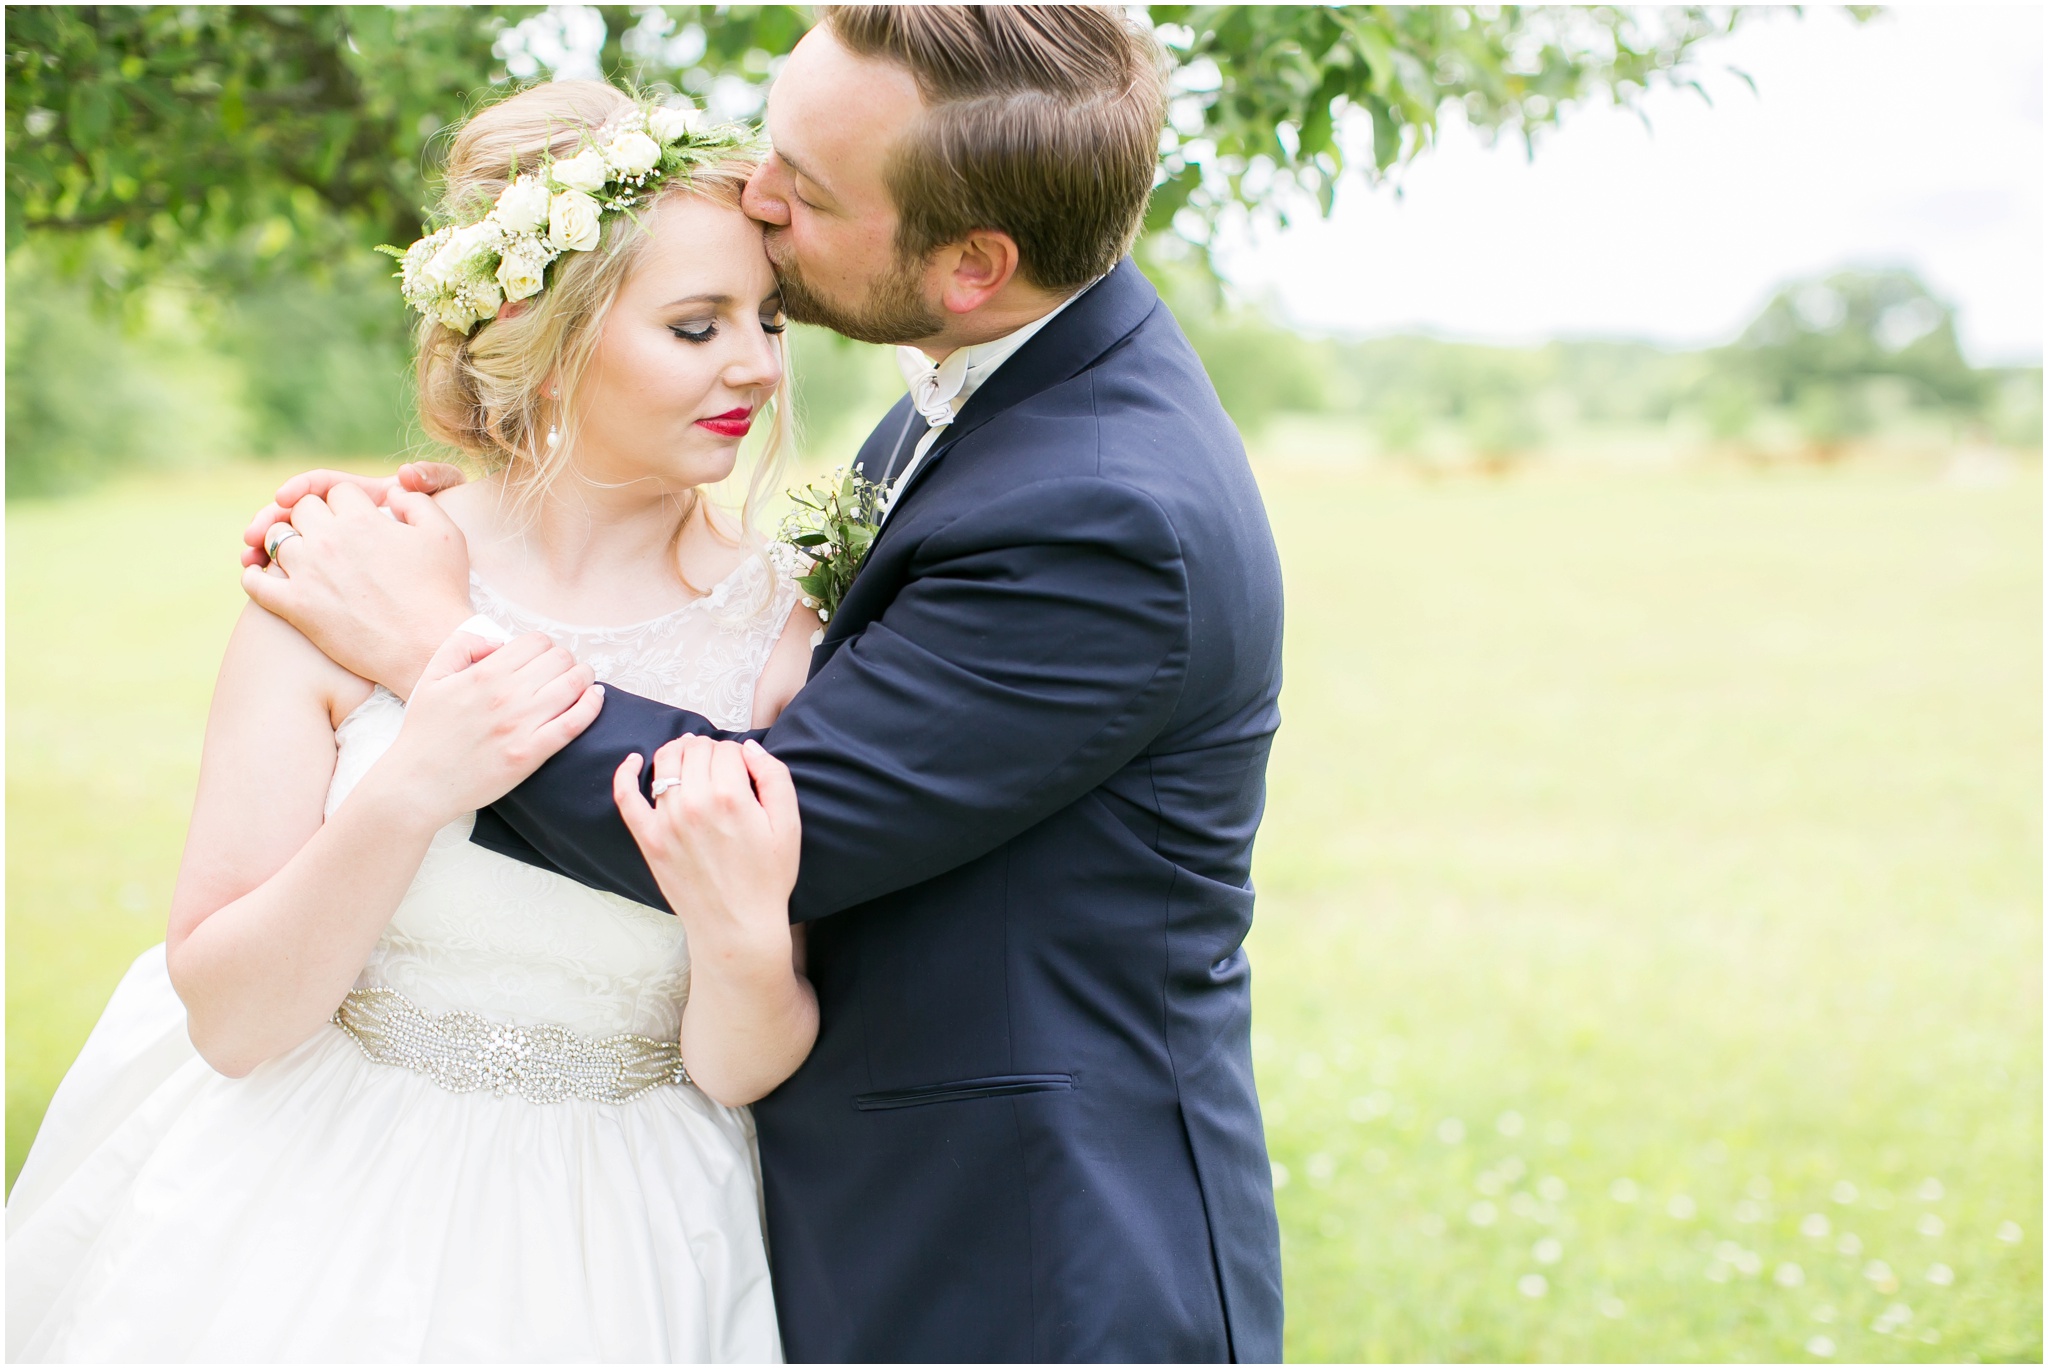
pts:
[463, 274]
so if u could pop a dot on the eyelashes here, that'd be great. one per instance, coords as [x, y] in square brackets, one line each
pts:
[709, 331]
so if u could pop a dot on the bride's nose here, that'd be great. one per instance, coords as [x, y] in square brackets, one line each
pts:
[756, 362]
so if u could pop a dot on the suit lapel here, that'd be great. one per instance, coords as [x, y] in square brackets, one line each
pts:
[1064, 348]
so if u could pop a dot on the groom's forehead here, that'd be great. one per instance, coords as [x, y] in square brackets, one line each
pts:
[830, 105]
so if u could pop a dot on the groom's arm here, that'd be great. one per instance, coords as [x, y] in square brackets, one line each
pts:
[1039, 645]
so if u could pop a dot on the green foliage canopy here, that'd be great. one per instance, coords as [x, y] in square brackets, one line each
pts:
[230, 138]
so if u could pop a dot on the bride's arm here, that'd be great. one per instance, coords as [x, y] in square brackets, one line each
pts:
[276, 911]
[724, 846]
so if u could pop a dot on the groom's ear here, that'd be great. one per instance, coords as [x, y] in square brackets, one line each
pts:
[974, 270]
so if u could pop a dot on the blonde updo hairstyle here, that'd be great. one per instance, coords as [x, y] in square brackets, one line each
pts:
[482, 394]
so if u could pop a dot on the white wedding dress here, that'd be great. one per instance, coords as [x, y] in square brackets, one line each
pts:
[331, 1206]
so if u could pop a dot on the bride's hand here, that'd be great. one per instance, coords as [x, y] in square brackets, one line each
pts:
[482, 718]
[723, 843]
[419, 477]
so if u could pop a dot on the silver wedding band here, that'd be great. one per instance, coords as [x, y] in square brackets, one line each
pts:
[279, 534]
[660, 787]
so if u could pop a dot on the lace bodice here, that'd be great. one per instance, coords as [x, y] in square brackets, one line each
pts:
[482, 932]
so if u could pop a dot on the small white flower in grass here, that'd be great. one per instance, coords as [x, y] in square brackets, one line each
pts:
[1930, 1337]
[1549, 1250]
[1820, 1347]
[1728, 1252]
[1750, 1263]
[1281, 1175]
[2009, 1232]
[1512, 1168]
[1788, 1275]
[1844, 1192]
[1749, 1212]
[1881, 1276]
[1551, 1189]
[585, 171]
[1930, 1190]
[1482, 1213]
[1508, 1124]
[1824, 1314]
[573, 221]
[523, 205]
[632, 153]
[1929, 1224]
[1613, 1308]
[1532, 1285]
[1450, 1131]
[1940, 1275]
[1891, 1319]
[1850, 1244]
[1815, 1225]
[1682, 1207]
[1624, 1191]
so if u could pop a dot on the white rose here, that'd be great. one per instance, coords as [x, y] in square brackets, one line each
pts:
[523, 206]
[585, 171]
[670, 122]
[520, 274]
[572, 221]
[453, 313]
[477, 240]
[482, 298]
[632, 154]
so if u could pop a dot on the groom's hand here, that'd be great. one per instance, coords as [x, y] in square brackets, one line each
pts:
[379, 595]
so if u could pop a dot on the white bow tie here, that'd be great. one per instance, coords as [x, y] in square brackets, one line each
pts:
[933, 388]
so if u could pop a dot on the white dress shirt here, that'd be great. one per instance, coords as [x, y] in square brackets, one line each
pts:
[940, 390]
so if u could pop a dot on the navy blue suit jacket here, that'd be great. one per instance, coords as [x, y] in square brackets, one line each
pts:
[1031, 760]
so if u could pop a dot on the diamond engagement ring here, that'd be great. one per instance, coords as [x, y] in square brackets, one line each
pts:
[277, 536]
[660, 787]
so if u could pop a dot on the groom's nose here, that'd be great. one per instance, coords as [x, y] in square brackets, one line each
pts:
[765, 197]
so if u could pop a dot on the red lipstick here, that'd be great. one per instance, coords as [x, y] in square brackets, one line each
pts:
[731, 424]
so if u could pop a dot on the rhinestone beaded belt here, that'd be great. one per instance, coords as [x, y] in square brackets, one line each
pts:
[463, 1052]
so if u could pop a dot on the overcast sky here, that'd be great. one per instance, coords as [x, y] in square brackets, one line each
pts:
[1914, 139]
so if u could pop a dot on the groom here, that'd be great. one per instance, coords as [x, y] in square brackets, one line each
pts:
[1031, 754]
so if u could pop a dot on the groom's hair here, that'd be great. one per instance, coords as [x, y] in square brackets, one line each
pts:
[1040, 121]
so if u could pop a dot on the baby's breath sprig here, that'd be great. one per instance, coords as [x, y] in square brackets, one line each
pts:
[833, 525]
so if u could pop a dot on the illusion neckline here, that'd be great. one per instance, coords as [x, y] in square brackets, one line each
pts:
[715, 593]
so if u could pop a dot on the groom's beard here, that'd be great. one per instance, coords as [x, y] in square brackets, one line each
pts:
[894, 313]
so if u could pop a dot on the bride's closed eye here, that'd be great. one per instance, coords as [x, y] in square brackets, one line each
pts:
[772, 324]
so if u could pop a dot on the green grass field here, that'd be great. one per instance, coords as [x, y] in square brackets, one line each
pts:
[1649, 945]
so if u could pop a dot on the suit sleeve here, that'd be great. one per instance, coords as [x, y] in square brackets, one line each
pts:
[1038, 644]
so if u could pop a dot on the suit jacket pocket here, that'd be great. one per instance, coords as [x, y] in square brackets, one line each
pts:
[960, 1090]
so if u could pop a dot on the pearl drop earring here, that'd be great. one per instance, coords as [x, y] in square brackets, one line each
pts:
[554, 437]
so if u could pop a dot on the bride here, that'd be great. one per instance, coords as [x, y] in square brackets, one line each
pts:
[384, 1094]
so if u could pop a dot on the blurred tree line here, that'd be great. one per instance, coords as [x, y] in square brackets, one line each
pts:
[191, 191]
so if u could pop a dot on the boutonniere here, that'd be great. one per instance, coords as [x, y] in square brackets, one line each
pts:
[833, 525]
